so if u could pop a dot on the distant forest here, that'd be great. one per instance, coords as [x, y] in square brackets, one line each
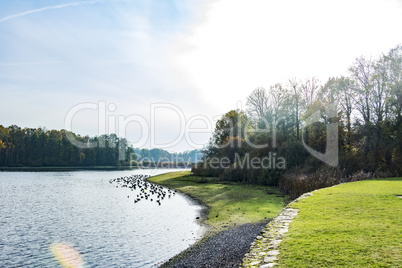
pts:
[369, 128]
[160, 155]
[37, 147]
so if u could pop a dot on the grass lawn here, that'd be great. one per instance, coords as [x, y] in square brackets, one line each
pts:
[230, 204]
[356, 224]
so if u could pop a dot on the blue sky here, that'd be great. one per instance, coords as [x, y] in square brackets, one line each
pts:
[200, 56]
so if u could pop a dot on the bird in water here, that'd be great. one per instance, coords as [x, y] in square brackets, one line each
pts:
[144, 190]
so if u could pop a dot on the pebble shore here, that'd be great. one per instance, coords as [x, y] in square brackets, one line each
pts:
[225, 249]
[231, 248]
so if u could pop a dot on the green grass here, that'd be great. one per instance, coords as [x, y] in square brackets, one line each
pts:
[349, 225]
[230, 204]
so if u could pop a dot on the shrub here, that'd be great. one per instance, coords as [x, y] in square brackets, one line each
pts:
[203, 170]
[360, 176]
[300, 181]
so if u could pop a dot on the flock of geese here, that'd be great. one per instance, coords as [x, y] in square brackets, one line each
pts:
[146, 190]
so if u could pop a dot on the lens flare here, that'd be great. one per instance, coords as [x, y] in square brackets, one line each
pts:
[67, 255]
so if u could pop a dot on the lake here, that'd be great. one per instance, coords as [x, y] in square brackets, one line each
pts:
[100, 220]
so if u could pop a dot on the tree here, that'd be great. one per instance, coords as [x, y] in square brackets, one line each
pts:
[380, 91]
[257, 102]
[393, 60]
[232, 124]
[362, 74]
[145, 154]
[277, 94]
[340, 91]
[296, 95]
[229, 137]
[309, 90]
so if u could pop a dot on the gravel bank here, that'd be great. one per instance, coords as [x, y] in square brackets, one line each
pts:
[225, 249]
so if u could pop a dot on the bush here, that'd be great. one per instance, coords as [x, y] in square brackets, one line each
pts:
[203, 170]
[360, 176]
[383, 174]
[232, 173]
[300, 181]
[294, 153]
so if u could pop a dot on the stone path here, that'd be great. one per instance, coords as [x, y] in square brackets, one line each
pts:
[264, 250]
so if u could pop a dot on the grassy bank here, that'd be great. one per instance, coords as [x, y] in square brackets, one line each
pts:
[354, 225]
[230, 204]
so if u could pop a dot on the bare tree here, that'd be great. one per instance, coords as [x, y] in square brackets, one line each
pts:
[310, 90]
[380, 90]
[277, 94]
[362, 73]
[257, 102]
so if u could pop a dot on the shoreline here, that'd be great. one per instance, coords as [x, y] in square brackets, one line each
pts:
[202, 222]
[203, 213]
[223, 244]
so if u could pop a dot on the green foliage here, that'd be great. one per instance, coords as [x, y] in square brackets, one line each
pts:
[232, 125]
[38, 147]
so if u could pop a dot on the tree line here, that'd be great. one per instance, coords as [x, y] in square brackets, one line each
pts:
[368, 103]
[38, 147]
[160, 155]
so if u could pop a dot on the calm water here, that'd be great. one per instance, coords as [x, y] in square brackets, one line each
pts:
[83, 209]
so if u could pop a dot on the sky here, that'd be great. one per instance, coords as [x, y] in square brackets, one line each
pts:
[160, 73]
